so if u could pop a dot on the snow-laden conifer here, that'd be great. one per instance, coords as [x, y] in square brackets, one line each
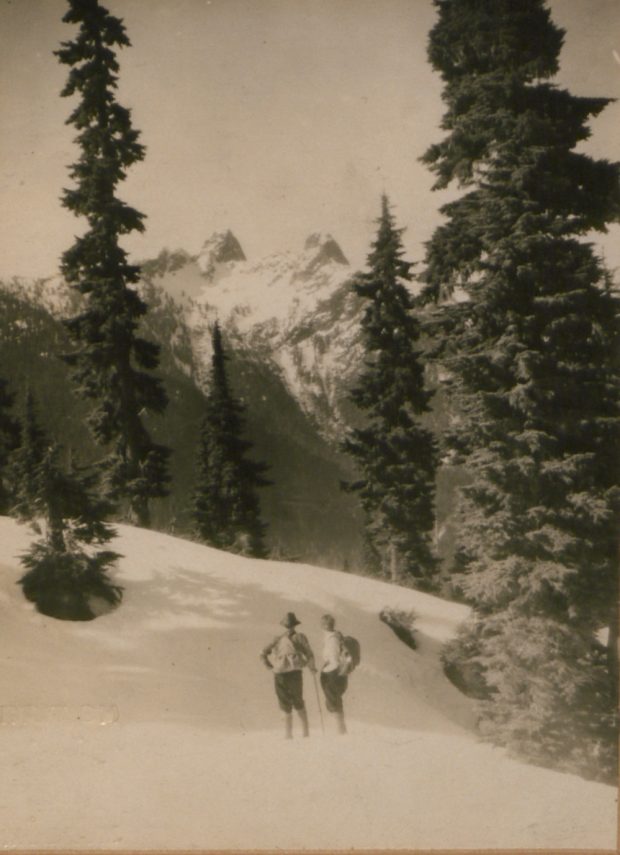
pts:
[66, 571]
[111, 363]
[394, 452]
[534, 386]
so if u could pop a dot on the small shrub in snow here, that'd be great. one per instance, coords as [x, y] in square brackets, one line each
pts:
[69, 585]
[401, 624]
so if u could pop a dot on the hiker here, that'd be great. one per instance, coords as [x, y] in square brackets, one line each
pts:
[287, 655]
[333, 682]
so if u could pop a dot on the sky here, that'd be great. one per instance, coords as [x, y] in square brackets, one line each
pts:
[274, 118]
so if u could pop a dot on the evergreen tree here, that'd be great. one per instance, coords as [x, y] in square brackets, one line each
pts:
[393, 451]
[66, 572]
[226, 508]
[25, 463]
[111, 363]
[9, 439]
[533, 380]
[371, 556]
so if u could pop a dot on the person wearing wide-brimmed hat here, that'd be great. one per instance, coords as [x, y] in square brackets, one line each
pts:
[287, 655]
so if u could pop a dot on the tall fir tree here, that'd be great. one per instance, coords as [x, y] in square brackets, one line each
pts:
[66, 572]
[226, 508]
[533, 381]
[9, 440]
[394, 452]
[111, 363]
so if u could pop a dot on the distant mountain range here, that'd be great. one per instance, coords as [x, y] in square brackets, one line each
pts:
[291, 328]
[295, 313]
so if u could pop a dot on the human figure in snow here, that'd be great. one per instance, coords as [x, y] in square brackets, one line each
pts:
[287, 655]
[333, 683]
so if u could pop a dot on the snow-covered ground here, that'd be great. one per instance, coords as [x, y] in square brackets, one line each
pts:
[156, 726]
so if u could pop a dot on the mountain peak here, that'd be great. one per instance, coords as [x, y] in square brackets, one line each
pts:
[220, 248]
[168, 261]
[327, 248]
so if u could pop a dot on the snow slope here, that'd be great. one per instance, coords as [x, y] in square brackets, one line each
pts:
[156, 727]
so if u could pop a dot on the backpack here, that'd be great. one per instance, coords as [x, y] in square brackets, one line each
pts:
[288, 654]
[350, 654]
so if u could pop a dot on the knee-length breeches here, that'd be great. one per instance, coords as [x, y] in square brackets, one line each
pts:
[289, 690]
[334, 686]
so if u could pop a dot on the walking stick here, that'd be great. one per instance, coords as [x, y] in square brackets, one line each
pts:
[318, 700]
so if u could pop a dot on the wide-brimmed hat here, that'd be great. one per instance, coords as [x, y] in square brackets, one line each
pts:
[289, 620]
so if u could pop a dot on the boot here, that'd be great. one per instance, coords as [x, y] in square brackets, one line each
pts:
[288, 725]
[303, 715]
[340, 725]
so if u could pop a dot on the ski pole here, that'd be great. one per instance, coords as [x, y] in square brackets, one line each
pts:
[318, 700]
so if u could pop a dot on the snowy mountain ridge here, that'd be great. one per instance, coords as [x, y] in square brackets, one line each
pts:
[294, 310]
[50, 293]
[292, 328]
[281, 367]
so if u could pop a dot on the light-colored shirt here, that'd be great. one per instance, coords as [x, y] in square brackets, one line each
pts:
[288, 652]
[331, 651]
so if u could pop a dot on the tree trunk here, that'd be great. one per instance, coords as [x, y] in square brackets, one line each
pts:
[55, 529]
[394, 563]
[613, 650]
[139, 511]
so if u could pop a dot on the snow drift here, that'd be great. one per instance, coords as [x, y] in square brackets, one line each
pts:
[156, 726]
